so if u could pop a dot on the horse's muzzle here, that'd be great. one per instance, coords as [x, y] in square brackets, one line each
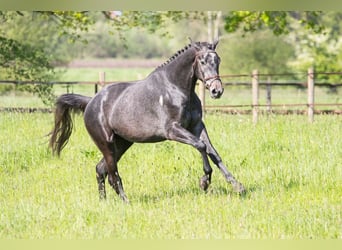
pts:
[216, 88]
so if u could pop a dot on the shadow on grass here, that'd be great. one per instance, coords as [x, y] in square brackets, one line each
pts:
[193, 192]
[228, 191]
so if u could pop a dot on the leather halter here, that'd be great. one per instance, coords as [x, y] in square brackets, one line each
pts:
[212, 78]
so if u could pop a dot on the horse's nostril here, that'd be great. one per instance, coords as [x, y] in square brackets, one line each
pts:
[216, 93]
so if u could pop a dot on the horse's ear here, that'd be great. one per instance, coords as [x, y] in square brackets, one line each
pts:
[196, 45]
[215, 43]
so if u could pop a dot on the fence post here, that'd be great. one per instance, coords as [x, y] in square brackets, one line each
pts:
[311, 94]
[269, 95]
[102, 79]
[255, 95]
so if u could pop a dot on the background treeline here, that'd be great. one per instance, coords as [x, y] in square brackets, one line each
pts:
[33, 45]
[295, 48]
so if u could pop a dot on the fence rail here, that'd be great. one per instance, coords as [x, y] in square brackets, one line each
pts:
[255, 83]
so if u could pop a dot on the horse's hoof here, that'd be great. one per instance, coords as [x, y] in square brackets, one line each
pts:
[102, 196]
[204, 183]
[124, 199]
[239, 188]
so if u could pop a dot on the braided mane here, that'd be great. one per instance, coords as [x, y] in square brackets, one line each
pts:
[172, 58]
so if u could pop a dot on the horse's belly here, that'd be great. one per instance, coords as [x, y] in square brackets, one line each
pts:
[138, 130]
[138, 135]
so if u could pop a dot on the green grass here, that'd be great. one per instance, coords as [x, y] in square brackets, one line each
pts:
[292, 170]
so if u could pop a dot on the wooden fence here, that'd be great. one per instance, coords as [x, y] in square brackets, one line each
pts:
[255, 83]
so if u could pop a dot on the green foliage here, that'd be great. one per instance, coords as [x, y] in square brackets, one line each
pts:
[277, 21]
[327, 50]
[23, 61]
[71, 23]
[321, 51]
[291, 170]
[313, 36]
[25, 54]
[152, 21]
[262, 51]
[103, 43]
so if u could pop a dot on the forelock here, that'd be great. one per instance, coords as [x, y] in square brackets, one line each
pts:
[210, 56]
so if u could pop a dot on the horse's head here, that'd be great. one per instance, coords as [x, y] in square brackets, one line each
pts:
[207, 67]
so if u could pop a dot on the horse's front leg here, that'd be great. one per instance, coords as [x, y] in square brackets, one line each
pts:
[214, 156]
[180, 134]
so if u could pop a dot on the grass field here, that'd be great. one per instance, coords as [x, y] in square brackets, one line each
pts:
[292, 171]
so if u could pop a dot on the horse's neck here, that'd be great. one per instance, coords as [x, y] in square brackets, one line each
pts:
[180, 72]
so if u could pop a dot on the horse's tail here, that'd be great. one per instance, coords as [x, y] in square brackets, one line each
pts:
[61, 132]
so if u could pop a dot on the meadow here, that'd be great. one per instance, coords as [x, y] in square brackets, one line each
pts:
[291, 169]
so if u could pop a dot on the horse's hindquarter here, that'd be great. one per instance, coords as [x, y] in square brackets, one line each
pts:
[97, 112]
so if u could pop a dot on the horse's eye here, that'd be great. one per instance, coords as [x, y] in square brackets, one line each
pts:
[202, 62]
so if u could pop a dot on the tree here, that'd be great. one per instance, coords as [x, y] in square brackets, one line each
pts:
[277, 21]
[322, 51]
[262, 51]
[23, 61]
[315, 36]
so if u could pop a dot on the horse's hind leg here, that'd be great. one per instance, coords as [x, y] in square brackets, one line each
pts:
[112, 148]
[101, 174]
[119, 146]
[110, 161]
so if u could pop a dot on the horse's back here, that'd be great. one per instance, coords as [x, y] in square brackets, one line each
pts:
[107, 96]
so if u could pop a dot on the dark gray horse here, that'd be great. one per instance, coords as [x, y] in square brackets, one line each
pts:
[164, 106]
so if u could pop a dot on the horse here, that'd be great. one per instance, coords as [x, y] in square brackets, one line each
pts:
[163, 106]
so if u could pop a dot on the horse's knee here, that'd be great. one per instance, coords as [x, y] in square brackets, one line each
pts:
[201, 146]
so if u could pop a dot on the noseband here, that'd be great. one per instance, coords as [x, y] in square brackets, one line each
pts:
[205, 80]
